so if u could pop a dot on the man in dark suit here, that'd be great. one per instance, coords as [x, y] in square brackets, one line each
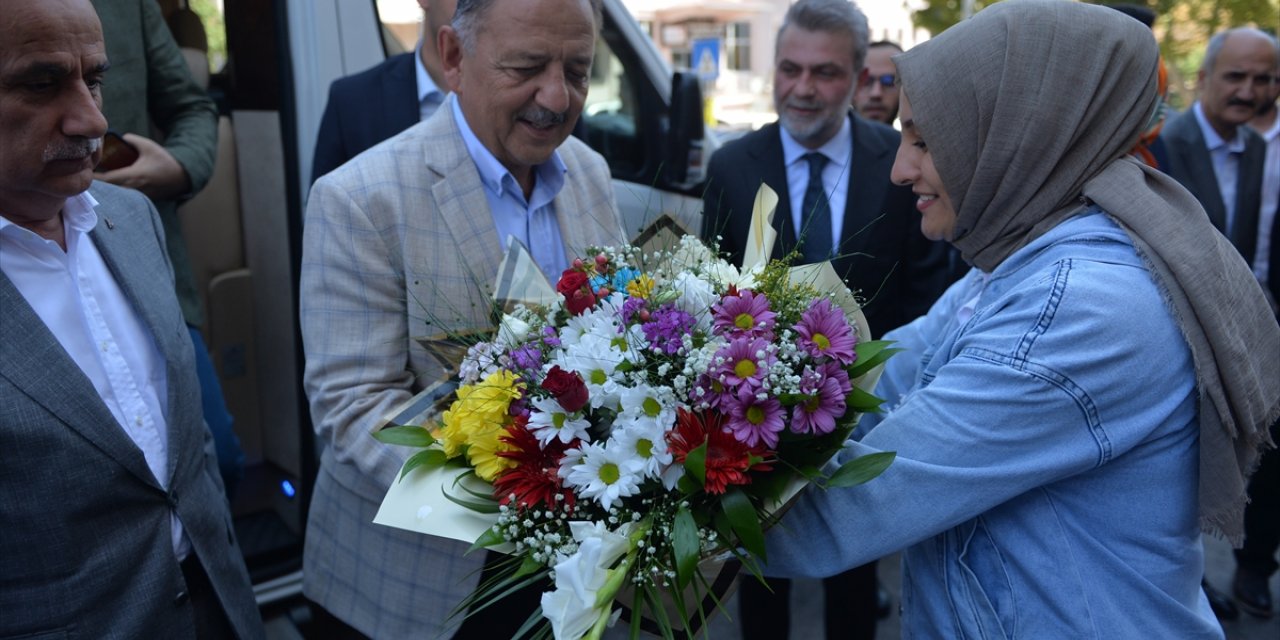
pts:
[1210, 152]
[822, 159]
[377, 103]
[114, 519]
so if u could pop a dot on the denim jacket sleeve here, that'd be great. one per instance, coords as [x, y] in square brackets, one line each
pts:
[1070, 361]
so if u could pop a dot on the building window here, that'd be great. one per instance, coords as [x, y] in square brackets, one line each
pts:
[737, 46]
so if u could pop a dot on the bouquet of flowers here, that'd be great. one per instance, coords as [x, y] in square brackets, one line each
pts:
[654, 417]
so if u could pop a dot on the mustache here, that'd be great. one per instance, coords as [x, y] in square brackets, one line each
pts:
[542, 118]
[1234, 102]
[71, 149]
[805, 104]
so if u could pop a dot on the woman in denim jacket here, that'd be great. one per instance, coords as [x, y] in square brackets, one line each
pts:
[1072, 414]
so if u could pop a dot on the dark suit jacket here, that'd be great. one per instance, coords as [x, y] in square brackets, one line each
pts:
[85, 542]
[1189, 163]
[365, 109]
[882, 254]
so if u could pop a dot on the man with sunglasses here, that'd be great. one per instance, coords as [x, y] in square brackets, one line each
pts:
[876, 97]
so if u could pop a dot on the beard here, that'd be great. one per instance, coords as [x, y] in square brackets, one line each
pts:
[816, 129]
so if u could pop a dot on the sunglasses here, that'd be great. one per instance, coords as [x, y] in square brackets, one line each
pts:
[886, 80]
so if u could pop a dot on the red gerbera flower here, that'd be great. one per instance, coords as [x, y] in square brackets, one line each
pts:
[533, 481]
[728, 459]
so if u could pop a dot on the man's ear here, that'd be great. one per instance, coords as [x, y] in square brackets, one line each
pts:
[450, 50]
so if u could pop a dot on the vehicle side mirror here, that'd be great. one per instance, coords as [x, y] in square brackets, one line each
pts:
[684, 164]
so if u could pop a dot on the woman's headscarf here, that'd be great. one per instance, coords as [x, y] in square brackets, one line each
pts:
[1029, 109]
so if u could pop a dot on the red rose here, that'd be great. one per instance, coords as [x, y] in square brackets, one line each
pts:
[566, 387]
[577, 295]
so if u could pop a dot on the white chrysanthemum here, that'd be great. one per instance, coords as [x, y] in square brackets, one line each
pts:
[695, 298]
[602, 320]
[548, 421]
[642, 440]
[691, 255]
[602, 474]
[725, 274]
[652, 405]
[596, 360]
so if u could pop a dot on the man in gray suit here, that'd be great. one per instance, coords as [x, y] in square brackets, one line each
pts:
[403, 243]
[1210, 152]
[114, 519]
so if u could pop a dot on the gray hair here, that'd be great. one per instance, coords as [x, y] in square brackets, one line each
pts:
[469, 16]
[831, 16]
[1219, 39]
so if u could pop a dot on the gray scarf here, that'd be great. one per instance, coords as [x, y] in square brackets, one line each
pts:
[1029, 109]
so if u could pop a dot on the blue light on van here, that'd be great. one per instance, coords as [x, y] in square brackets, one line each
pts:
[286, 487]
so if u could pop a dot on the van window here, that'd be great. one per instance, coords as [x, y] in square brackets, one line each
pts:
[610, 113]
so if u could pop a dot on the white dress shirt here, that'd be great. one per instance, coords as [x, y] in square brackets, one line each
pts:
[533, 221]
[76, 296]
[1226, 163]
[835, 176]
[430, 96]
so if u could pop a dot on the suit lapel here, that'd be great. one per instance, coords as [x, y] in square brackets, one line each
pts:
[33, 360]
[119, 255]
[866, 194]
[461, 202]
[1195, 157]
[400, 96]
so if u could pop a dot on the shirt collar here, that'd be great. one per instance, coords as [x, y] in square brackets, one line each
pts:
[494, 176]
[426, 87]
[838, 149]
[77, 214]
[1212, 140]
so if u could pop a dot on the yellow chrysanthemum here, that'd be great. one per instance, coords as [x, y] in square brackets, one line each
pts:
[479, 416]
[483, 454]
[640, 286]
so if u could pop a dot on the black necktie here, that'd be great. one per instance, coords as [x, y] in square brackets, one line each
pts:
[815, 214]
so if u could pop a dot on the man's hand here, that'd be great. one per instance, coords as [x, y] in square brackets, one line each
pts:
[156, 173]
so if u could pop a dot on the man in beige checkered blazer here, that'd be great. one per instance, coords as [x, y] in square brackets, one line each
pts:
[401, 243]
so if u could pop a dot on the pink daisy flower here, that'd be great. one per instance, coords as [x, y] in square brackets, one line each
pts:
[754, 421]
[819, 412]
[746, 361]
[825, 332]
[744, 314]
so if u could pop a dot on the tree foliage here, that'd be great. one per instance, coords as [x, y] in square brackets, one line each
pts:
[1183, 28]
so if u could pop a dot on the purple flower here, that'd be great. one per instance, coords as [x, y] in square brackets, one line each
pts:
[666, 329]
[631, 307]
[824, 332]
[754, 421]
[743, 362]
[527, 357]
[819, 412]
[550, 337]
[710, 391]
[744, 314]
[833, 371]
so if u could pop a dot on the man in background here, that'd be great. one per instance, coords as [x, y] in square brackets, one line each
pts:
[877, 95]
[151, 84]
[1256, 559]
[114, 518]
[1210, 151]
[373, 105]
[400, 245]
[830, 168]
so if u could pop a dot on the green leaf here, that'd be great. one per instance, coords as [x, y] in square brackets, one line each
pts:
[862, 402]
[479, 506]
[742, 517]
[686, 545]
[408, 436]
[861, 469]
[870, 354]
[696, 464]
[429, 459]
[487, 539]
